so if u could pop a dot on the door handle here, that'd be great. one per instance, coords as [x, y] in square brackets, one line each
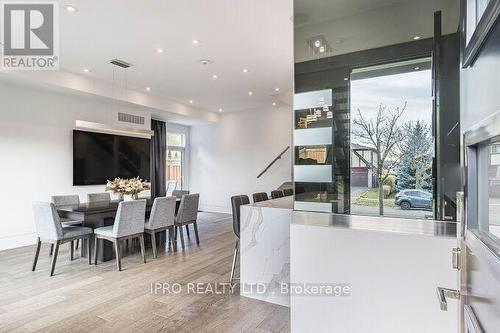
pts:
[443, 294]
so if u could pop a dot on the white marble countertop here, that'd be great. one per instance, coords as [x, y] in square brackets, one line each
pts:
[375, 223]
[284, 203]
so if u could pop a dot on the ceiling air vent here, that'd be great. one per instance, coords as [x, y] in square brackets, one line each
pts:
[130, 118]
[120, 63]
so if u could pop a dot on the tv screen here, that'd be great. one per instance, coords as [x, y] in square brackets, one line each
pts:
[99, 157]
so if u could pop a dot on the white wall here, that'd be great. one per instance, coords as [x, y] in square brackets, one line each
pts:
[36, 157]
[227, 157]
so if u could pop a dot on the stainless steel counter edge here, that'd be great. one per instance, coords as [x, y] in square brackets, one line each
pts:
[376, 224]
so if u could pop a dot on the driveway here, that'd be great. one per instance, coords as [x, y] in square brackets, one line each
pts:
[391, 212]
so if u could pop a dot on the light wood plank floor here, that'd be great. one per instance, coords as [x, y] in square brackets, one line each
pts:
[83, 298]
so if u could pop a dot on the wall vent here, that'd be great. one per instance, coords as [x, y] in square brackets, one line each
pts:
[130, 118]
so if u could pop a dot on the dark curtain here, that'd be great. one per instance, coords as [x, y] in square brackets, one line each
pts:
[158, 159]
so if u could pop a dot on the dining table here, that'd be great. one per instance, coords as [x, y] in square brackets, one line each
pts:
[101, 214]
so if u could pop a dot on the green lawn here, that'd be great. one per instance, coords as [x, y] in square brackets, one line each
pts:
[370, 198]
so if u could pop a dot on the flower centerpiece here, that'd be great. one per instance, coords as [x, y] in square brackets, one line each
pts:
[130, 187]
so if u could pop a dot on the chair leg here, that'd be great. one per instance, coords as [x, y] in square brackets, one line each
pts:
[187, 231]
[54, 258]
[95, 249]
[51, 249]
[182, 237]
[71, 250]
[88, 250]
[118, 254]
[37, 252]
[143, 248]
[81, 247]
[153, 243]
[195, 226]
[235, 256]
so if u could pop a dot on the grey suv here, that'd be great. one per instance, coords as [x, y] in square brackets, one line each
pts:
[407, 199]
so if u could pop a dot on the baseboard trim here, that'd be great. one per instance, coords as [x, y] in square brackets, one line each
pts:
[215, 209]
[15, 241]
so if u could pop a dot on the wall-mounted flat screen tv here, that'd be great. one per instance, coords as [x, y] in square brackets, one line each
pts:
[99, 157]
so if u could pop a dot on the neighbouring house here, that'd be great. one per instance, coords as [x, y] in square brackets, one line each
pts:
[363, 161]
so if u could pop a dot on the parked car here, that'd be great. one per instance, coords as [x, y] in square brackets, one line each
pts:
[407, 199]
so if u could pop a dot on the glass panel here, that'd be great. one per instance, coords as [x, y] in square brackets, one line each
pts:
[176, 140]
[391, 111]
[175, 166]
[494, 189]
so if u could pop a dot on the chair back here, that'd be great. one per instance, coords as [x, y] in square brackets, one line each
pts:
[47, 222]
[188, 209]
[171, 186]
[236, 202]
[260, 196]
[99, 197]
[65, 200]
[288, 192]
[130, 218]
[162, 212]
[277, 194]
[179, 193]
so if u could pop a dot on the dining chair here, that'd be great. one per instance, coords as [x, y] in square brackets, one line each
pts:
[277, 194]
[260, 196]
[171, 186]
[98, 197]
[49, 229]
[67, 200]
[187, 214]
[178, 194]
[288, 192]
[129, 224]
[162, 217]
[236, 202]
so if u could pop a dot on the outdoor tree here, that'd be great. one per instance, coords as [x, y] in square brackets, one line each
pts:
[415, 168]
[384, 133]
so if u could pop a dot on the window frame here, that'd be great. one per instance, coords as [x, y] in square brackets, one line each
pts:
[185, 151]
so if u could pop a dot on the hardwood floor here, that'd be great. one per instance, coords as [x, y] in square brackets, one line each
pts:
[83, 298]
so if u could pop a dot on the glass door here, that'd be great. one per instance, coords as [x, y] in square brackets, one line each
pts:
[176, 162]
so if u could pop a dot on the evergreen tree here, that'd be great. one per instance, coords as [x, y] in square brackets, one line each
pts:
[415, 168]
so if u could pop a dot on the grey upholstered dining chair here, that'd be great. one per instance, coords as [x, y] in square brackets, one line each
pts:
[260, 196]
[187, 214]
[162, 217]
[179, 193]
[288, 192]
[277, 194]
[99, 197]
[67, 200]
[129, 224]
[236, 202]
[171, 185]
[49, 229]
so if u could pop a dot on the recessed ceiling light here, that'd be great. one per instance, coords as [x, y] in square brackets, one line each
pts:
[205, 61]
[215, 77]
[196, 42]
[317, 43]
[191, 101]
[220, 110]
[417, 68]
[250, 93]
[148, 88]
[86, 70]
[245, 70]
[416, 37]
[159, 50]
[274, 103]
[276, 89]
[71, 8]
[321, 49]
[345, 79]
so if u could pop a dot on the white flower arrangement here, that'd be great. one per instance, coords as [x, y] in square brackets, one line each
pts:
[132, 186]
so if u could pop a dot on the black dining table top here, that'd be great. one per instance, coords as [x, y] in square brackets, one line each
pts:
[100, 206]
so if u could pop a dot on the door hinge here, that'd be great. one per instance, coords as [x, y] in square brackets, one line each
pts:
[455, 258]
[443, 294]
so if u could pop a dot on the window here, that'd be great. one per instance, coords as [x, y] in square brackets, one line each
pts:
[494, 191]
[176, 160]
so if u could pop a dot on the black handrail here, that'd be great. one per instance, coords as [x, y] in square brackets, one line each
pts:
[274, 161]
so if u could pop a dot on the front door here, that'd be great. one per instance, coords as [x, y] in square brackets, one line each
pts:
[480, 234]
